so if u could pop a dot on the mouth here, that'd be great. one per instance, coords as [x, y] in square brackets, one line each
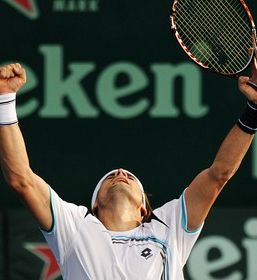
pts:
[121, 180]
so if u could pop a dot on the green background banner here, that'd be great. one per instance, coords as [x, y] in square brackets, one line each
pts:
[227, 247]
[28, 255]
[108, 86]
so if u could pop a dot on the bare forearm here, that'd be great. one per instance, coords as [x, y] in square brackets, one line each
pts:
[13, 155]
[31, 189]
[206, 186]
[204, 189]
[231, 153]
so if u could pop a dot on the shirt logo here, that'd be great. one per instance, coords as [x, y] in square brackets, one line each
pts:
[146, 253]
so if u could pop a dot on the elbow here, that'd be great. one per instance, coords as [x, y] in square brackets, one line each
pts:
[221, 172]
[20, 182]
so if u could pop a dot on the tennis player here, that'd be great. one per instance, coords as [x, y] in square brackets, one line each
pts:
[119, 236]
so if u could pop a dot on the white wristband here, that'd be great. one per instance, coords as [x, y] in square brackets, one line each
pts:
[8, 113]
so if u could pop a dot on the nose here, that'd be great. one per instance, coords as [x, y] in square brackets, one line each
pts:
[121, 172]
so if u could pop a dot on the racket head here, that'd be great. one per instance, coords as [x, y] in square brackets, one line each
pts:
[217, 35]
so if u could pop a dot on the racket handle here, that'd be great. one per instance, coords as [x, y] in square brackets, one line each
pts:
[252, 84]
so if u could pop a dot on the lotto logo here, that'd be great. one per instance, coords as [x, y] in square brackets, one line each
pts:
[146, 253]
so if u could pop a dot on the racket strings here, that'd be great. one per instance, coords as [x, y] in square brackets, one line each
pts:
[217, 33]
[221, 28]
[234, 35]
[236, 18]
[221, 38]
[215, 17]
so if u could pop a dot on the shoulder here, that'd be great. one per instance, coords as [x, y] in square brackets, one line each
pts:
[61, 207]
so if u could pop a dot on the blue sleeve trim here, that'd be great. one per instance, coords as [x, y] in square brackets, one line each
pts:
[52, 229]
[184, 218]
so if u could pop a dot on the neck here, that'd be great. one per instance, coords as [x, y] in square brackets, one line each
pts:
[121, 216]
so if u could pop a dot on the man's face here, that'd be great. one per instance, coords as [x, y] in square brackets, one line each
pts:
[119, 183]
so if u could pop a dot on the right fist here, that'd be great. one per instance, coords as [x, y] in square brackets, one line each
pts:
[12, 78]
[247, 85]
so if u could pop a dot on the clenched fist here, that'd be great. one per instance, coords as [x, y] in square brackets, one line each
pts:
[12, 78]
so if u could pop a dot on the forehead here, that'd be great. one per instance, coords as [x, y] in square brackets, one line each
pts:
[100, 183]
[112, 173]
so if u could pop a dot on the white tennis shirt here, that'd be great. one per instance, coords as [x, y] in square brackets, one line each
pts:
[85, 249]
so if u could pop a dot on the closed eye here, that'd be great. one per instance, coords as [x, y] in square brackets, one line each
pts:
[111, 176]
[131, 177]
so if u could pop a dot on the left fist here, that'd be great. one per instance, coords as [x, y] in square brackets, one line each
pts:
[12, 78]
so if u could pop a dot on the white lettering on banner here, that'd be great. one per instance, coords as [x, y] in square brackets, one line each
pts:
[250, 245]
[200, 267]
[165, 75]
[75, 5]
[110, 102]
[59, 88]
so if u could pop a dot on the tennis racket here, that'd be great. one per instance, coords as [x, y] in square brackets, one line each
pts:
[216, 34]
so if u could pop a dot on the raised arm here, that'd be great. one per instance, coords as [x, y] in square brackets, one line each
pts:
[32, 190]
[205, 188]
